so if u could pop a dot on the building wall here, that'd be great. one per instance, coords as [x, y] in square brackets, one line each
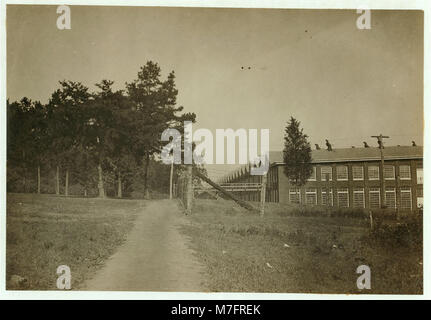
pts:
[272, 191]
[284, 185]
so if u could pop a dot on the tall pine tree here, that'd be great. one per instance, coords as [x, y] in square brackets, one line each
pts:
[154, 102]
[66, 118]
[296, 154]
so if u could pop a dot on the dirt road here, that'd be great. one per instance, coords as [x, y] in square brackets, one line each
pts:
[155, 256]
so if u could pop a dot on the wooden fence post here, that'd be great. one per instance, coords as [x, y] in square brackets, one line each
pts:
[397, 196]
[263, 195]
[171, 179]
[189, 192]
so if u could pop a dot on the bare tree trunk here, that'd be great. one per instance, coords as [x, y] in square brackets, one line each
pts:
[57, 181]
[66, 185]
[120, 191]
[38, 179]
[85, 192]
[147, 167]
[100, 184]
[24, 182]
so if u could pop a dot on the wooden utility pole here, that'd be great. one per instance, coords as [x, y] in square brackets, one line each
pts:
[189, 194]
[263, 195]
[171, 178]
[382, 158]
[397, 195]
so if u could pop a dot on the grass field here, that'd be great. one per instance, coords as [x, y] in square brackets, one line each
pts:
[244, 252]
[284, 251]
[45, 231]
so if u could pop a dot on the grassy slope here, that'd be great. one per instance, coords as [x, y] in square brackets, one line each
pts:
[322, 256]
[46, 231]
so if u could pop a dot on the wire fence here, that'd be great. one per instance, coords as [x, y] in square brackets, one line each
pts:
[191, 183]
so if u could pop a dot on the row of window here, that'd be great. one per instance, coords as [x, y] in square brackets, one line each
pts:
[358, 173]
[358, 197]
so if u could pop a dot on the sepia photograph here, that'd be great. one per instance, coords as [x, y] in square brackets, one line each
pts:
[215, 150]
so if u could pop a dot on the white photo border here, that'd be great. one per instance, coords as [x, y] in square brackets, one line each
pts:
[280, 4]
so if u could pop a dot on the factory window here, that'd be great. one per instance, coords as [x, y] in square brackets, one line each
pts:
[342, 173]
[373, 173]
[343, 197]
[391, 198]
[420, 175]
[313, 175]
[325, 171]
[374, 196]
[295, 195]
[331, 200]
[405, 172]
[389, 172]
[311, 196]
[420, 197]
[358, 198]
[405, 198]
[358, 172]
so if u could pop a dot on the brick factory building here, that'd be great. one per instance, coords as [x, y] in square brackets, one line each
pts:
[355, 179]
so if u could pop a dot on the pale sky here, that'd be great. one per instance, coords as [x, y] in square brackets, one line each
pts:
[342, 83]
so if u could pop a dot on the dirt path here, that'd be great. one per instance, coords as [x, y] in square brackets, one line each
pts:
[155, 256]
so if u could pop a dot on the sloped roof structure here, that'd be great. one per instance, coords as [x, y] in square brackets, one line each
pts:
[356, 154]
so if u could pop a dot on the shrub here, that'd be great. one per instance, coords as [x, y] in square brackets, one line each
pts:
[407, 233]
[384, 214]
[357, 213]
[322, 211]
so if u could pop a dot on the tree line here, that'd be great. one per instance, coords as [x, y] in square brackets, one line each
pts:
[96, 143]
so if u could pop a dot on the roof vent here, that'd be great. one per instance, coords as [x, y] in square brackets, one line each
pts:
[328, 145]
